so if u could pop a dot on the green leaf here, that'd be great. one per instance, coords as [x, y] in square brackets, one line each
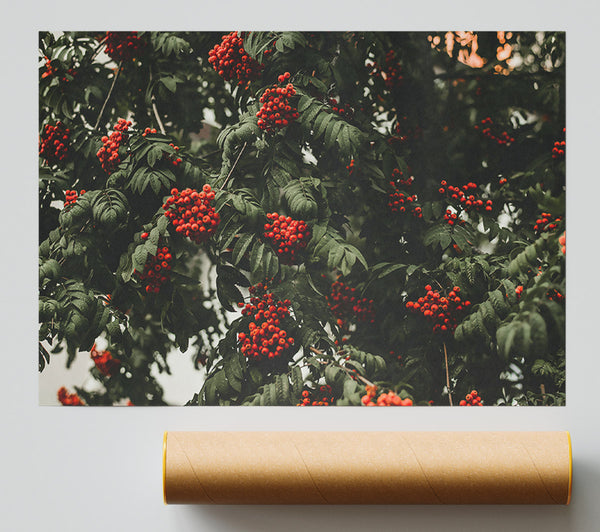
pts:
[256, 256]
[321, 123]
[234, 372]
[505, 336]
[154, 155]
[331, 133]
[390, 268]
[241, 246]
[304, 103]
[170, 83]
[228, 293]
[139, 258]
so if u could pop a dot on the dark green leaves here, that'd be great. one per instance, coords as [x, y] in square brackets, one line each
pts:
[110, 209]
[438, 235]
[336, 252]
[300, 196]
[323, 124]
[227, 291]
[242, 244]
[169, 43]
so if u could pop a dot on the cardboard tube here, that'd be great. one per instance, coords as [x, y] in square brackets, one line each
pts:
[367, 467]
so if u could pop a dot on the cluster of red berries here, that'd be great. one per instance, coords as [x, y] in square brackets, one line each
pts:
[266, 338]
[175, 160]
[339, 109]
[149, 131]
[404, 133]
[518, 291]
[106, 364]
[122, 45]
[471, 399]
[232, 62]
[50, 70]
[53, 143]
[157, 270]
[491, 132]
[560, 147]
[109, 153]
[398, 177]
[562, 240]
[384, 399]
[350, 167]
[451, 218]
[69, 399]
[321, 397]
[443, 311]
[191, 213]
[400, 202]
[502, 181]
[467, 199]
[555, 295]
[345, 305]
[391, 72]
[277, 111]
[288, 236]
[545, 223]
[71, 196]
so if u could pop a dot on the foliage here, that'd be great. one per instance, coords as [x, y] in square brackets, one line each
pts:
[373, 109]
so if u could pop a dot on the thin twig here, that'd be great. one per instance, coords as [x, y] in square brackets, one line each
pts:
[160, 124]
[98, 48]
[108, 96]
[447, 375]
[234, 165]
[214, 152]
[154, 108]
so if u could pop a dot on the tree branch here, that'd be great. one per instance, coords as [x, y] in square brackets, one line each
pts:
[160, 124]
[154, 108]
[108, 96]
[234, 165]
[98, 49]
[447, 375]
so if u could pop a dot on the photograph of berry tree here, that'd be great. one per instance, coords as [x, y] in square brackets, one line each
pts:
[309, 218]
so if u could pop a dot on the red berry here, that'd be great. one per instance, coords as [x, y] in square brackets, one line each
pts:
[269, 119]
[109, 153]
[232, 62]
[53, 143]
[181, 207]
[121, 45]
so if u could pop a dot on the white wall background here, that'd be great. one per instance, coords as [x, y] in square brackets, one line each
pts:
[100, 469]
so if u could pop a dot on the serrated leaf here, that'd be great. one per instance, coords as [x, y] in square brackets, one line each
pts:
[321, 124]
[256, 256]
[331, 133]
[304, 103]
[241, 246]
[234, 372]
[139, 257]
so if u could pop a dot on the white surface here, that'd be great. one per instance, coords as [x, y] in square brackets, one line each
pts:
[100, 469]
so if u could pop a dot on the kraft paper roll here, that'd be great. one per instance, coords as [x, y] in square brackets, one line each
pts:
[367, 468]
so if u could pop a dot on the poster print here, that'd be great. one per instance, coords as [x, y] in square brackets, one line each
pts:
[332, 218]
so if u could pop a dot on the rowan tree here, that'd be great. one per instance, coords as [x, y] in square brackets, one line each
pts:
[335, 218]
